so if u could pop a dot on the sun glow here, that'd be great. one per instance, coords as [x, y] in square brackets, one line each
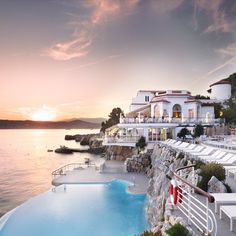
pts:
[42, 115]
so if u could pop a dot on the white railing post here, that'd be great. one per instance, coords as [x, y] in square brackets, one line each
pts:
[207, 217]
[193, 178]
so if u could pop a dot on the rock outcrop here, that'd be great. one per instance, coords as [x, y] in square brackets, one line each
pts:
[138, 163]
[119, 153]
[216, 186]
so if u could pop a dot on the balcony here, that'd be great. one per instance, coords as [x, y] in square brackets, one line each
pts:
[180, 121]
[125, 140]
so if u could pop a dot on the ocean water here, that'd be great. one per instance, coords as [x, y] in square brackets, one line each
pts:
[26, 166]
[80, 210]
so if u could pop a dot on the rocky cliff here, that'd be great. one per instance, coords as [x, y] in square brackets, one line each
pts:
[159, 209]
[119, 153]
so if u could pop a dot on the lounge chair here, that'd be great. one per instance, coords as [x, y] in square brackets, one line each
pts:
[224, 199]
[230, 211]
[190, 148]
[218, 156]
[175, 144]
[182, 145]
[229, 161]
[198, 149]
[204, 152]
[212, 156]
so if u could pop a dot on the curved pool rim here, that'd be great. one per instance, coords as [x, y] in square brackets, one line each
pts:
[4, 219]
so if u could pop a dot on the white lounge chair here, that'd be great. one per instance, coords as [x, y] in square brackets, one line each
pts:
[219, 156]
[175, 144]
[229, 161]
[190, 148]
[230, 211]
[224, 199]
[183, 147]
[212, 156]
[204, 152]
[198, 149]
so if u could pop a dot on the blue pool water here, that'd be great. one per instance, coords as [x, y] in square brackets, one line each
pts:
[80, 210]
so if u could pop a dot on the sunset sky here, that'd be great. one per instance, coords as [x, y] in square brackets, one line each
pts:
[80, 58]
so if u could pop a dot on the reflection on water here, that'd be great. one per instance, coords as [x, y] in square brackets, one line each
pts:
[26, 166]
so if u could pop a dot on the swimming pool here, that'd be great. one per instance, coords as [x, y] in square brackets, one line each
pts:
[80, 209]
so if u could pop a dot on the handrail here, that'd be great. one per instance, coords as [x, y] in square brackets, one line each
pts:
[196, 212]
[210, 198]
[61, 170]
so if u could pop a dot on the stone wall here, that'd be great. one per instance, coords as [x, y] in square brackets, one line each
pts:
[119, 153]
[139, 163]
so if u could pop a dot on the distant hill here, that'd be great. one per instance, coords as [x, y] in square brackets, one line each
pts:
[29, 124]
[98, 120]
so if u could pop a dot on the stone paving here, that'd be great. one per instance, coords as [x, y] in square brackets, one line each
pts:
[112, 170]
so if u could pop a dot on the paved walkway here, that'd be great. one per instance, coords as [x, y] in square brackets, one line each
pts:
[112, 170]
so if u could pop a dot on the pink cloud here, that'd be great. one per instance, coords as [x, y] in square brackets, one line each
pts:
[79, 45]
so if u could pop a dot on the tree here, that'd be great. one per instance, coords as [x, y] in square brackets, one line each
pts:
[141, 144]
[183, 132]
[229, 111]
[199, 96]
[218, 108]
[114, 118]
[198, 131]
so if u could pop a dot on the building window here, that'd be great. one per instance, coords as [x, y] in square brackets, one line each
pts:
[146, 98]
[176, 111]
[190, 113]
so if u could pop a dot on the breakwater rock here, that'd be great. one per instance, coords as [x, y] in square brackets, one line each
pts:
[94, 141]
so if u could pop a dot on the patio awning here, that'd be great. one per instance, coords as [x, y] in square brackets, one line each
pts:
[143, 111]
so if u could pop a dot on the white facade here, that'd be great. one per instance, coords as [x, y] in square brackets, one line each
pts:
[143, 98]
[221, 91]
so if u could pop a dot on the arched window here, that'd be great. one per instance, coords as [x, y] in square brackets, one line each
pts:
[176, 111]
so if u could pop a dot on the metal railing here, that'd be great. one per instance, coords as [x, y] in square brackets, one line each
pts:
[197, 213]
[69, 167]
[183, 120]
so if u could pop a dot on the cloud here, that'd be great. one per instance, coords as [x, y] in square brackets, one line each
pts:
[100, 12]
[77, 47]
[163, 7]
[229, 50]
[93, 63]
[215, 11]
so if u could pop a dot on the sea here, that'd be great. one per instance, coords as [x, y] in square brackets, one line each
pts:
[26, 165]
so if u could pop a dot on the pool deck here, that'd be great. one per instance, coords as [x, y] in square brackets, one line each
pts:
[112, 170]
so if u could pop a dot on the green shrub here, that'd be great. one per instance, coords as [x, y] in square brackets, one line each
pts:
[198, 131]
[229, 190]
[198, 164]
[209, 170]
[150, 233]
[177, 230]
[141, 144]
[183, 132]
[180, 155]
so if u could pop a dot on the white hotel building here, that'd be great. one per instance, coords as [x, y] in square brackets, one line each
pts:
[158, 115]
